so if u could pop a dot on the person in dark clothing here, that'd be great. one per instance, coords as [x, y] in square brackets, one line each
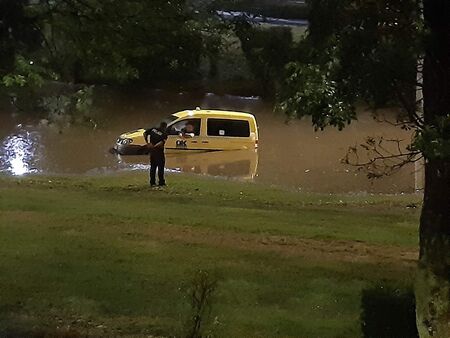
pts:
[156, 138]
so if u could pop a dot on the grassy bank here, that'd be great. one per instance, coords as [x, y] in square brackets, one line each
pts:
[109, 256]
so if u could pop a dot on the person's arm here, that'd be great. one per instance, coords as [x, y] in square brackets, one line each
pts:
[160, 144]
[186, 134]
[146, 138]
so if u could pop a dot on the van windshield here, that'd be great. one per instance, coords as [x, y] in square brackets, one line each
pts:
[169, 119]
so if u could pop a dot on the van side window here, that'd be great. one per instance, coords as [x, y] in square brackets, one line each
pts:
[189, 125]
[228, 128]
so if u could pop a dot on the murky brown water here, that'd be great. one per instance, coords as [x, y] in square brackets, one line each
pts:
[289, 155]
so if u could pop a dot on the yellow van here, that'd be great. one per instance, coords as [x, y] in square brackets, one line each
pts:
[199, 130]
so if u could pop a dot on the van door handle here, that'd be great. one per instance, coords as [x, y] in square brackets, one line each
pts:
[194, 142]
[205, 141]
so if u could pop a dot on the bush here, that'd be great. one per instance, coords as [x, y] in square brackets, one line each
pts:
[388, 312]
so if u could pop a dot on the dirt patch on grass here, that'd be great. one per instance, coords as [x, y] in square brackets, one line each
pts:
[312, 249]
[20, 216]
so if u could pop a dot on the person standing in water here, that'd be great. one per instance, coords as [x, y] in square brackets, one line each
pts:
[156, 139]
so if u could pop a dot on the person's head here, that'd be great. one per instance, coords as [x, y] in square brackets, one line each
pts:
[163, 126]
[189, 128]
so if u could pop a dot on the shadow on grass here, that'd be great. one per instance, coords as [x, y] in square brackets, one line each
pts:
[388, 312]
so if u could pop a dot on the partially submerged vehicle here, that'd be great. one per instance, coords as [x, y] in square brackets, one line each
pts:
[198, 130]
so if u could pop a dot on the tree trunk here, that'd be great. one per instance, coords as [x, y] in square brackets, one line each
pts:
[433, 278]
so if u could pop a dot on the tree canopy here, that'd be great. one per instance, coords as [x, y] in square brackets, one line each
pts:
[355, 51]
[106, 41]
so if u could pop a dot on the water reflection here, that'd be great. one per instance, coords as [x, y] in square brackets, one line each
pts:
[241, 164]
[18, 152]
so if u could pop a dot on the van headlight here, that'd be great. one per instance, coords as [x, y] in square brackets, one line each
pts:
[125, 141]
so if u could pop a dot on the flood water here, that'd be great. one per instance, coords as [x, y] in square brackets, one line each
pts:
[291, 155]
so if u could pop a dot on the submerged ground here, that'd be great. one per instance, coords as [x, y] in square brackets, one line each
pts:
[109, 256]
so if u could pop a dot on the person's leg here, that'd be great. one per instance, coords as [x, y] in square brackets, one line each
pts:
[161, 165]
[153, 165]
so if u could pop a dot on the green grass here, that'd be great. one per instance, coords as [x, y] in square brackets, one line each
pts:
[109, 256]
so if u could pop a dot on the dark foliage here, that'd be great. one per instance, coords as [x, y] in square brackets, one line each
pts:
[18, 33]
[108, 41]
[361, 52]
[388, 313]
[267, 51]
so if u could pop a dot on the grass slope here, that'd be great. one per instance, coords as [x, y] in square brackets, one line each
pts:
[109, 256]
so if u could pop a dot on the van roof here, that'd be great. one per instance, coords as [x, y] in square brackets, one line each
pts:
[211, 112]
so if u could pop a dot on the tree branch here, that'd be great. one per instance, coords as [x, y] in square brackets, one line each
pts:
[381, 161]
